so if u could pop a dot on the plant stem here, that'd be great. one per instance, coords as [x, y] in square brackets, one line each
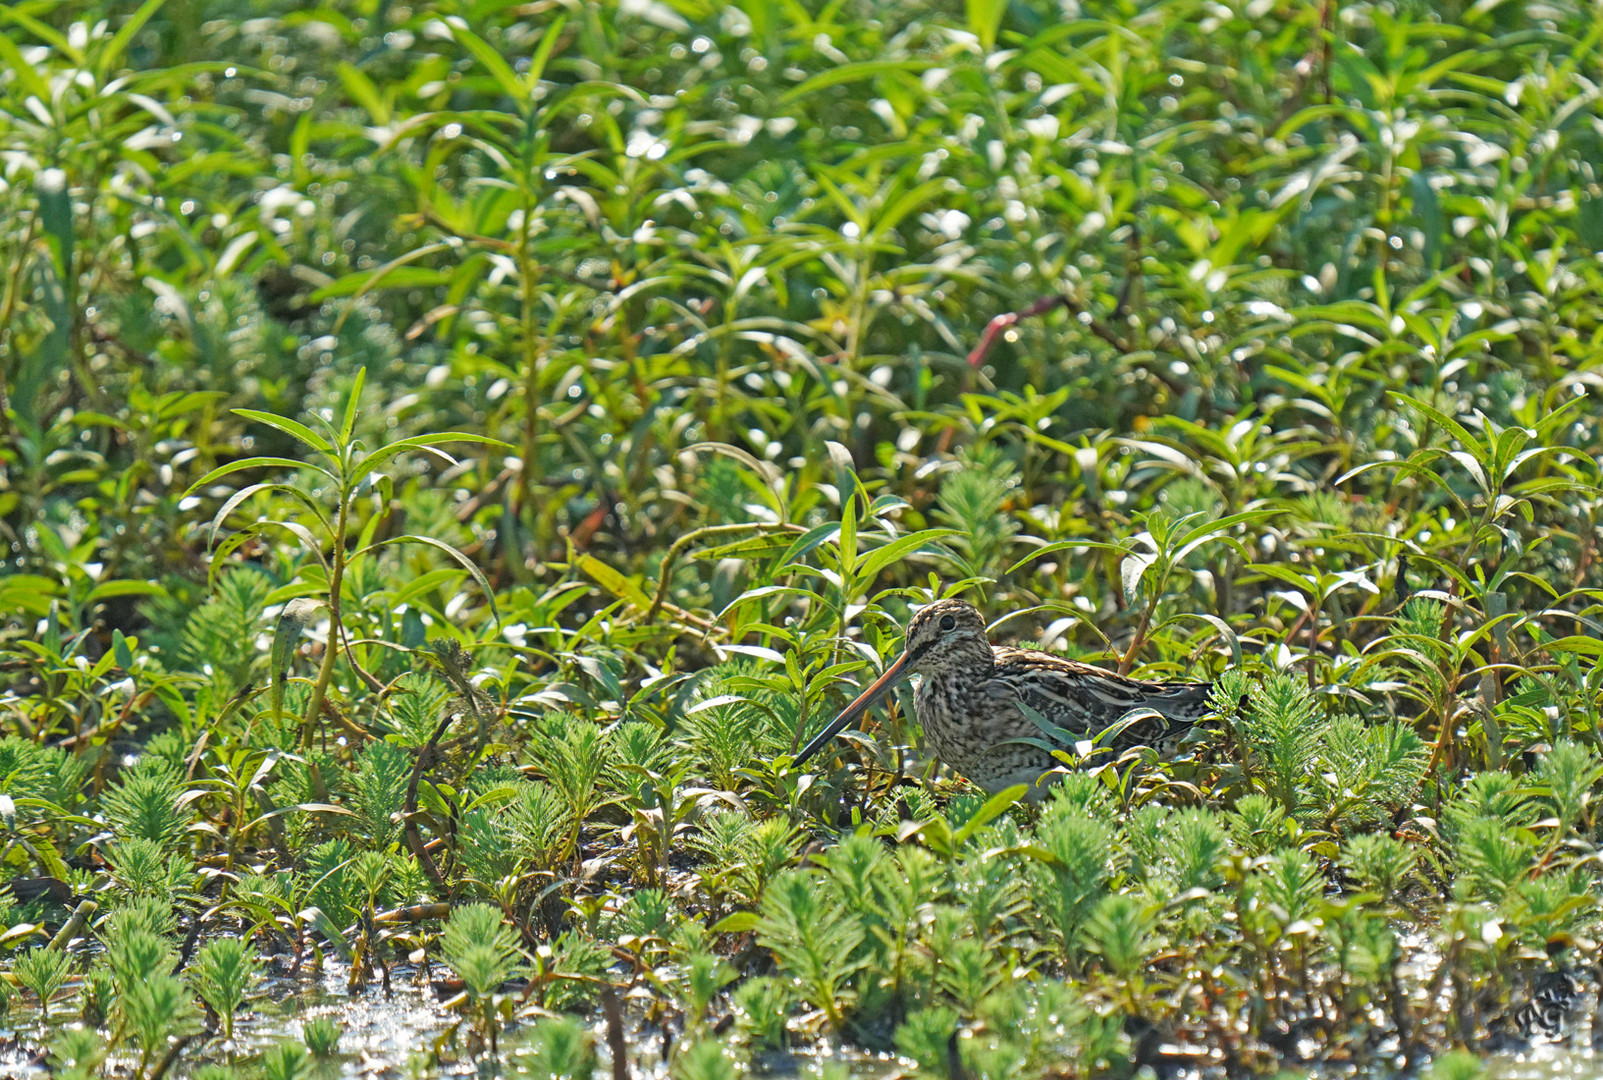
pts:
[665, 573]
[1140, 636]
[325, 674]
[531, 360]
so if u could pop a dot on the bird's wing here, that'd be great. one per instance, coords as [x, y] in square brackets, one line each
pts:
[1085, 699]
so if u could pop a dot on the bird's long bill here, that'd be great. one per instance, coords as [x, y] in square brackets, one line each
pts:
[893, 675]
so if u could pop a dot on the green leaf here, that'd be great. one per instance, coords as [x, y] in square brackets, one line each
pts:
[542, 54]
[106, 590]
[22, 931]
[909, 202]
[1212, 530]
[440, 545]
[363, 92]
[807, 541]
[232, 543]
[848, 536]
[49, 858]
[359, 284]
[111, 56]
[233, 502]
[377, 458]
[1581, 646]
[617, 584]
[306, 807]
[1453, 427]
[493, 62]
[736, 922]
[994, 807]
[853, 72]
[900, 548]
[1133, 570]
[756, 547]
[120, 649]
[1069, 545]
[351, 405]
[293, 428]
[28, 78]
[1225, 631]
[984, 17]
[252, 463]
[331, 933]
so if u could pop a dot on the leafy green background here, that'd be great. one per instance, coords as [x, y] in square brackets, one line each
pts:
[628, 346]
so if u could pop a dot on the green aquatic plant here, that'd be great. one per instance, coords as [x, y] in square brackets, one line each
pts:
[145, 870]
[44, 972]
[1072, 881]
[483, 950]
[704, 1060]
[339, 458]
[1380, 863]
[287, 1061]
[146, 804]
[815, 935]
[378, 792]
[762, 1009]
[222, 973]
[572, 977]
[78, 1053]
[322, 1036]
[704, 976]
[157, 1010]
[559, 1048]
[1119, 931]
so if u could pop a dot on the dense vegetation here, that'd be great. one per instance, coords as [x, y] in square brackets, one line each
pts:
[453, 451]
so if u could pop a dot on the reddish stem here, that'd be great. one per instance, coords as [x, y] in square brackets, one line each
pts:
[1011, 319]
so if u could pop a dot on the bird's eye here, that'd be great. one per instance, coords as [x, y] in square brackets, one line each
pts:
[947, 622]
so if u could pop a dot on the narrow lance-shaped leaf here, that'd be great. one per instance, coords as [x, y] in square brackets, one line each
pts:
[377, 458]
[542, 54]
[111, 56]
[233, 502]
[809, 540]
[352, 404]
[289, 427]
[848, 537]
[439, 545]
[901, 547]
[252, 463]
[493, 62]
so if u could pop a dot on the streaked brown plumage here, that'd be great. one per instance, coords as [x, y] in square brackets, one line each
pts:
[968, 701]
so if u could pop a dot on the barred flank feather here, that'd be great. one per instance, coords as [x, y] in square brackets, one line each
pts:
[1087, 700]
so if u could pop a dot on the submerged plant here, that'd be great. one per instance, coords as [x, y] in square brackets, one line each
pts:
[322, 1036]
[286, 1061]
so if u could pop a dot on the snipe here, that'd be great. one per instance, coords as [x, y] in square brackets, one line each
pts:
[968, 701]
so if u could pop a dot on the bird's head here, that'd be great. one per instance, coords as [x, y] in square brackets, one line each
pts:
[948, 634]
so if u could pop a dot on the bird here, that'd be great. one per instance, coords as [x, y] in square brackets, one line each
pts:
[968, 702]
